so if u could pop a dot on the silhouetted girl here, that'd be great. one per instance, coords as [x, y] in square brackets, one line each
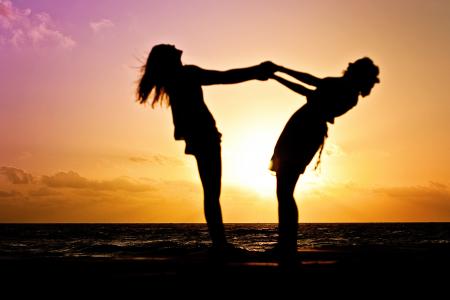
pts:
[180, 86]
[305, 133]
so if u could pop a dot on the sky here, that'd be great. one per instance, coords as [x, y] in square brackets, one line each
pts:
[76, 147]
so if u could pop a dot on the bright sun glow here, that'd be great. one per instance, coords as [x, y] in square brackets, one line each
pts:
[248, 166]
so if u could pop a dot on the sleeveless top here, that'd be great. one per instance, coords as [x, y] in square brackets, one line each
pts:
[191, 117]
[333, 98]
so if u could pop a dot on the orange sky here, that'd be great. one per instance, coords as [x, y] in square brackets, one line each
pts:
[75, 146]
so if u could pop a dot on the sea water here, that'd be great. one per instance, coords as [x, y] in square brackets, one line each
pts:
[116, 240]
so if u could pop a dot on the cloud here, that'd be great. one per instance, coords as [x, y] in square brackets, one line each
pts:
[16, 176]
[138, 159]
[432, 201]
[4, 194]
[22, 27]
[43, 192]
[332, 149]
[438, 185]
[165, 160]
[75, 181]
[158, 159]
[100, 25]
[6, 9]
[433, 191]
[62, 179]
[70, 197]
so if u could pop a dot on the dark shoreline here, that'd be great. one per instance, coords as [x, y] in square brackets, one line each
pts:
[370, 268]
[202, 223]
[175, 259]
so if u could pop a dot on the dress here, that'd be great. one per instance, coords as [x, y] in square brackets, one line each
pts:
[301, 138]
[306, 131]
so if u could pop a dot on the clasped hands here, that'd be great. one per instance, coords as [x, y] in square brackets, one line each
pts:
[267, 70]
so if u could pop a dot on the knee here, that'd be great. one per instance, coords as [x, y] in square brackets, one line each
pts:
[211, 191]
[284, 194]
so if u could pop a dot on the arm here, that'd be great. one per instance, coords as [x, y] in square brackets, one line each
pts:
[209, 77]
[298, 88]
[303, 77]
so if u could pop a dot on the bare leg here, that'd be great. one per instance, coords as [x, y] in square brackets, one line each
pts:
[287, 212]
[210, 170]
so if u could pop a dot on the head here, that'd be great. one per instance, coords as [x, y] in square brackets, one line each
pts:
[363, 73]
[157, 73]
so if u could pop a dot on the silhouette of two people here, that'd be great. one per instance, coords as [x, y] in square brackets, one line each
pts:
[165, 79]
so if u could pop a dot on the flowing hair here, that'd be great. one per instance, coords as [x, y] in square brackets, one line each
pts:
[157, 75]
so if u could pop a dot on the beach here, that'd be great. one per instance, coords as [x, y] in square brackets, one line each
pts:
[119, 259]
[343, 271]
[176, 259]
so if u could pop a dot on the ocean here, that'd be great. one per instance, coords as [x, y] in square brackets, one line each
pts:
[141, 240]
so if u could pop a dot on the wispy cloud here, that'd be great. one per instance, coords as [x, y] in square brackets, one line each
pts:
[6, 10]
[74, 180]
[16, 176]
[4, 194]
[332, 149]
[434, 190]
[43, 192]
[432, 201]
[138, 159]
[158, 159]
[100, 25]
[68, 196]
[22, 27]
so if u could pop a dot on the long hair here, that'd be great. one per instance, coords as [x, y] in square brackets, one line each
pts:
[157, 75]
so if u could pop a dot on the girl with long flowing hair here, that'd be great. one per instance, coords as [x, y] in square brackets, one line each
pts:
[166, 80]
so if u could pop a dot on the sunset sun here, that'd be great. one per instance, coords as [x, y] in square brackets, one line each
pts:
[248, 163]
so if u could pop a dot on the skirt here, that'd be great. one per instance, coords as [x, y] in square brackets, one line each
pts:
[303, 135]
[207, 142]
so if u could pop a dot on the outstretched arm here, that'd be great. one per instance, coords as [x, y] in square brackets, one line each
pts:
[298, 88]
[303, 77]
[261, 72]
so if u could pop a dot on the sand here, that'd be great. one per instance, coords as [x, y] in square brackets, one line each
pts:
[375, 270]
